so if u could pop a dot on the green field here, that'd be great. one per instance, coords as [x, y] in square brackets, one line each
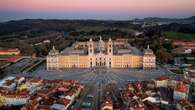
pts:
[4, 57]
[179, 36]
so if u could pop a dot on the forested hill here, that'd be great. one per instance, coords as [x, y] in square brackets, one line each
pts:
[60, 25]
[188, 20]
[79, 25]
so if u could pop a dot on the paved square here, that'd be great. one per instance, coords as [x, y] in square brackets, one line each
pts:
[100, 75]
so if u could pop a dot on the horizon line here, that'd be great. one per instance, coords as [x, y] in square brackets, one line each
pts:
[95, 19]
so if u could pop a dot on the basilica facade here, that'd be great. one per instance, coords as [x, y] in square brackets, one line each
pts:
[101, 54]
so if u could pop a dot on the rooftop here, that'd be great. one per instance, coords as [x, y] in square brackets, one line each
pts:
[81, 48]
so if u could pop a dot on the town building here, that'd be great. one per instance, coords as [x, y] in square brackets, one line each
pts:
[43, 95]
[185, 105]
[181, 91]
[137, 105]
[189, 74]
[110, 54]
[9, 51]
[107, 104]
[162, 81]
[184, 44]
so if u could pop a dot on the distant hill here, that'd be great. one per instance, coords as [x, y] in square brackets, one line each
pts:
[61, 25]
[188, 20]
[23, 27]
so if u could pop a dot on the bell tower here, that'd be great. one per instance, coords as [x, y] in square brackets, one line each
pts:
[149, 59]
[91, 53]
[90, 47]
[110, 47]
[109, 53]
[53, 59]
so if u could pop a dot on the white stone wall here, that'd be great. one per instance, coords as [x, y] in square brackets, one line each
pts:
[52, 62]
[149, 61]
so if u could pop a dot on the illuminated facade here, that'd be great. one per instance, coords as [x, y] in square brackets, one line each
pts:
[110, 54]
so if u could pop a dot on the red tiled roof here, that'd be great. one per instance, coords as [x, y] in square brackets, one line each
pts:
[62, 89]
[23, 95]
[185, 103]
[138, 85]
[46, 91]
[185, 44]
[9, 50]
[49, 101]
[34, 102]
[130, 86]
[162, 78]
[44, 107]
[35, 80]
[192, 75]
[139, 106]
[65, 102]
[70, 93]
[11, 95]
[14, 58]
[191, 67]
[181, 87]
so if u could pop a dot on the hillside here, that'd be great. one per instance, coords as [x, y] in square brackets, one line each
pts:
[179, 36]
[61, 25]
[188, 20]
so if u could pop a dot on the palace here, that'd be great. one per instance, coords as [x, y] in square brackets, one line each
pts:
[110, 54]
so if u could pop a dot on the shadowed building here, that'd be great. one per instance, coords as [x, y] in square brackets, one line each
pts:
[107, 104]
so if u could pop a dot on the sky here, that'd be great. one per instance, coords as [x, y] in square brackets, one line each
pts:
[94, 9]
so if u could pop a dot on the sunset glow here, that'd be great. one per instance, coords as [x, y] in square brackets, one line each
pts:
[134, 8]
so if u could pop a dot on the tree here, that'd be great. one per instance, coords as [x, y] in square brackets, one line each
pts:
[2, 73]
[25, 48]
[163, 56]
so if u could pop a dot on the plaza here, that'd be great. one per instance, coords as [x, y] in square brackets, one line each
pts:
[99, 75]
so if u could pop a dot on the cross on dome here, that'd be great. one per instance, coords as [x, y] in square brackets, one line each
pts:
[148, 47]
[100, 38]
[53, 48]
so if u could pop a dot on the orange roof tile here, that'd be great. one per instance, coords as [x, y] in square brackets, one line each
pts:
[65, 102]
[192, 75]
[162, 78]
[181, 87]
[139, 106]
[35, 80]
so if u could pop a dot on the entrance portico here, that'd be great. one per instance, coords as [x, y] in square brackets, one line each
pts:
[100, 60]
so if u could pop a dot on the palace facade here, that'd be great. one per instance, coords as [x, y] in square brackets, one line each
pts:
[110, 54]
